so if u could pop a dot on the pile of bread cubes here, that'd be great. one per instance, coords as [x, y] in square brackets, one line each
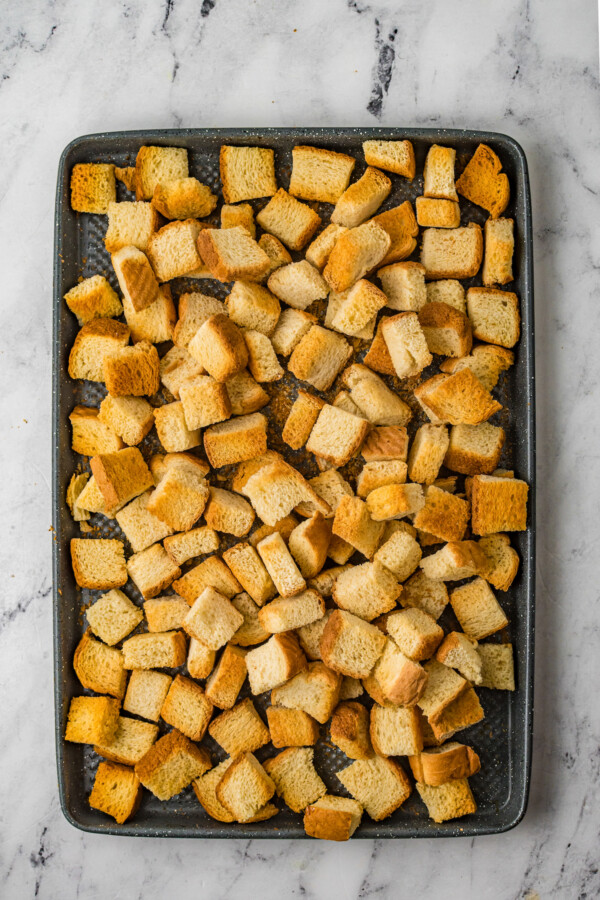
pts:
[328, 557]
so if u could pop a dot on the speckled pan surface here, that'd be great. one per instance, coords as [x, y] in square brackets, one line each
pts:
[503, 738]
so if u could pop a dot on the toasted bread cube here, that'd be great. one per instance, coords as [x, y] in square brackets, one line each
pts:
[253, 306]
[378, 356]
[235, 441]
[449, 291]
[173, 251]
[246, 565]
[367, 591]
[205, 791]
[93, 187]
[310, 635]
[99, 668]
[331, 487]
[401, 227]
[319, 357]
[180, 498]
[136, 278]
[296, 779]
[460, 653]
[474, 449]
[298, 284]
[362, 199]
[438, 173]
[337, 435]
[400, 554]
[427, 453]
[274, 662]
[444, 515]
[278, 255]
[385, 443]
[373, 399]
[393, 501]
[156, 322]
[165, 613]
[90, 499]
[92, 720]
[227, 678]
[458, 399]
[232, 254]
[350, 645]
[443, 687]
[262, 360]
[245, 788]
[332, 818]
[228, 512]
[196, 542]
[176, 367]
[404, 285]
[219, 347]
[334, 306]
[406, 344]
[362, 302]
[139, 525]
[455, 561]
[157, 650]
[90, 434]
[212, 619]
[353, 523]
[499, 249]
[281, 566]
[158, 165]
[117, 791]
[447, 331]
[381, 785]
[129, 417]
[276, 489]
[502, 561]
[76, 487]
[443, 764]
[132, 371]
[239, 730]
[152, 570]
[200, 659]
[448, 801]
[497, 666]
[477, 609]
[131, 742]
[301, 419]
[315, 690]
[319, 251]
[487, 362]
[183, 198]
[294, 223]
[194, 310]
[171, 764]
[498, 504]
[113, 617]
[396, 679]
[205, 401]
[483, 183]
[309, 543]
[319, 174]
[393, 156]
[93, 298]
[146, 692]
[243, 214]
[433, 213]
[291, 327]
[245, 394]
[291, 727]
[355, 253]
[247, 173]
[287, 613]
[187, 708]
[96, 341]
[251, 632]
[98, 564]
[455, 253]
[428, 594]
[121, 476]
[395, 731]
[463, 712]
[349, 730]
[494, 315]
[416, 633]
[130, 224]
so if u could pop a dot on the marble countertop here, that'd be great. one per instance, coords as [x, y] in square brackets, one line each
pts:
[525, 67]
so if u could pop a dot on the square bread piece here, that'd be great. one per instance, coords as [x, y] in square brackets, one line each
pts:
[350, 645]
[425, 593]
[152, 570]
[444, 515]
[438, 174]
[99, 668]
[400, 680]
[171, 764]
[457, 399]
[93, 187]
[367, 591]
[239, 439]
[474, 449]
[242, 214]
[226, 680]
[288, 613]
[316, 690]
[146, 692]
[494, 315]
[296, 779]
[247, 173]
[131, 742]
[332, 818]
[497, 666]
[401, 227]
[442, 764]
[183, 198]
[301, 419]
[274, 662]
[196, 542]
[404, 285]
[293, 222]
[298, 284]
[228, 512]
[499, 249]
[476, 608]
[160, 650]
[113, 617]
[502, 559]
[448, 801]
[381, 785]
[117, 791]
[427, 453]
[443, 687]
[331, 487]
[213, 573]
[278, 255]
[130, 224]
[385, 443]
[194, 309]
[449, 291]
[319, 174]
[498, 504]
[251, 305]
[437, 213]
[129, 417]
[248, 568]
[262, 360]
[460, 653]
[200, 659]
[406, 344]
[482, 181]
[245, 788]
[400, 554]
[415, 632]
[177, 366]
[92, 720]
[393, 156]
[358, 307]
[318, 252]
[158, 165]
[140, 526]
[353, 523]
[121, 476]
[362, 199]
[355, 253]
[213, 620]
[447, 330]
[245, 394]
[291, 727]
[394, 501]
[395, 730]
[98, 564]
[464, 711]
[337, 436]
[319, 357]
[232, 254]
[96, 341]
[239, 730]
[452, 253]
[136, 278]
[291, 327]
[349, 730]
[281, 566]
[180, 497]
[219, 347]
[93, 298]
[132, 371]
[187, 708]
[205, 402]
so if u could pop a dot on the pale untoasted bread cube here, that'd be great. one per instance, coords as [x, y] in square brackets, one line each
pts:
[319, 357]
[262, 360]
[350, 645]
[293, 222]
[355, 253]
[194, 310]
[381, 785]
[227, 678]
[245, 394]
[276, 488]
[158, 165]
[291, 727]
[447, 331]
[499, 249]
[427, 453]
[98, 564]
[117, 791]
[253, 306]
[152, 570]
[274, 662]
[96, 341]
[455, 253]
[404, 285]
[477, 609]
[296, 779]
[457, 399]
[483, 183]
[246, 565]
[487, 362]
[131, 418]
[309, 542]
[395, 730]
[236, 440]
[213, 620]
[448, 801]
[447, 291]
[494, 315]
[361, 200]
[416, 633]
[228, 512]
[393, 501]
[498, 504]
[278, 255]
[136, 277]
[406, 344]
[90, 434]
[187, 708]
[291, 327]
[92, 187]
[99, 668]
[242, 214]
[349, 730]
[92, 720]
[400, 554]
[385, 443]
[362, 302]
[146, 692]
[502, 561]
[443, 764]
[438, 173]
[393, 156]
[425, 593]
[281, 566]
[130, 224]
[433, 213]
[319, 251]
[298, 284]
[219, 347]
[232, 254]
[315, 690]
[173, 251]
[93, 298]
[171, 764]
[247, 173]
[301, 419]
[239, 730]
[337, 435]
[353, 523]
[460, 653]
[180, 498]
[245, 788]
[331, 487]
[376, 402]
[319, 174]
[497, 666]
[455, 561]
[200, 660]
[183, 198]
[132, 371]
[444, 515]
[334, 305]
[367, 591]
[443, 687]
[113, 617]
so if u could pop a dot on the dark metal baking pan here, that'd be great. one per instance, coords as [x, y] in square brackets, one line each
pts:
[504, 737]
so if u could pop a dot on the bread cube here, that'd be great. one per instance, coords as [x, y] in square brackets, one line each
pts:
[483, 183]
[227, 678]
[294, 223]
[477, 609]
[443, 764]
[444, 515]
[447, 330]
[397, 679]
[92, 720]
[132, 371]
[117, 791]
[296, 779]
[251, 632]
[406, 344]
[262, 360]
[228, 512]
[96, 341]
[236, 440]
[460, 653]
[362, 199]
[400, 554]
[171, 765]
[245, 788]
[355, 253]
[316, 690]
[331, 487]
[205, 401]
[245, 394]
[502, 561]
[497, 666]
[349, 730]
[494, 315]
[301, 419]
[393, 501]
[498, 504]
[211, 573]
[212, 619]
[287, 613]
[319, 251]
[378, 474]
[427, 453]
[232, 254]
[93, 187]
[457, 399]
[98, 564]
[93, 298]
[130, 224]
[362, 302]
[438, 173]
[152, 570]
[367, 591]
[158, 165]
[247, 567]
[187, 708]
[332, 818]
[379, 784]
[200, 659]
[291, 327]
[281, 566]
[416, 633]
[183, 198]
[99, 668]
[319, 174]
[404, 285]
[499, 249]
[253, 306]
[461, 713]
[393, 156]
[449, 291]
[298, 284]
[395, 730]
[274, 662]
[239, 730]
[158, 650]
[247, 173]
[146, 692]
[448, 801]
[385, 443]
[242, 214]
[443, 686]
[291, 727]
[350, 645]
[378, 356]
[278, 255]
[454, 253]
[337, 435]
[437, 213]
[113, 617]
[219, 347]
[353, 523]
[90, 434]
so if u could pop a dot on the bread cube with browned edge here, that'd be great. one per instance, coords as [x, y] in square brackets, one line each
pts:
[474, 449]
[452, 253]
[180, 499]
[252, 306]
[310, 635]
[173, 250]
[499, 249]
[447, 331]
[463, 712]
[401, 227]
[136, 277]
[416, 633]
[353, 523]
[404, 286]
[219, 347]
[449, 291]
[92, 720]
[146, 693]
[205, 402]
[293, 222]
[100, 668]
[448, 801]
[130, 743]
[359, 305]
[497, 666]
[443, 687]
[381, 785]
[498, 504]
[155, 650]
[93, 298]
[245, 394]
[187, 708]
[393, 156]
[113, 617]
[242, 214]
[213, 573]
[226, 679]
[395, 730]
[248, 568]
[251, 632]
[232, 254]
[295, 777]
[130, 224]
[455, 561]
[494, 315]
[98, 564]
[117, 791]
[291, 727]
[274, 662]
[298, 284]
[428, 594]
[502, 560]
[281, 566]
[301, 419]
[320, 249]
[212, 619]
[356, 252]
[277, 253]
[460, 652]
[96, 341]
[457, 399]
[158, 165]
[308, 544]
[152, 570]
[350, 645]
[362, 198]
[367, 591]
[183, 198]
[262, 360]
[331, 487]
[228, 512]
[385, 443]
[438, 173]
[236, 440]
[437, 213]
[396, 679]
[171, 765]
[121, 476]
[291, 327]
[245, 788]
[332, 818]
[349, 730]
[400, 554]
[378, 356]
[440, 765]
[319, 174]
[394, 501]
[337, 435]
[374, 399]
[288, 613]
[205, 790]
[239, 730]
[406, 344]
[247, 173]
[316, 690]
[477, 609]
[131, 418]
[444, 515]
[483, 182]
[93, 187]
[140, 526]
[132, 371]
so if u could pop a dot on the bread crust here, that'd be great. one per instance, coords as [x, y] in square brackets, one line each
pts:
[446, 764]
[483, 182]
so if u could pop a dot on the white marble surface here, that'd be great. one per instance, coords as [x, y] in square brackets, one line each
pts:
[526, 67]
